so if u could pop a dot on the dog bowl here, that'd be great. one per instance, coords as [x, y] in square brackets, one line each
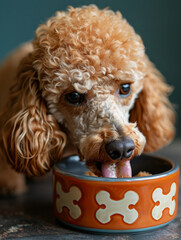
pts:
[116, 204]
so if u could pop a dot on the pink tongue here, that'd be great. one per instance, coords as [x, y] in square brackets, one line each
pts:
[122, 169]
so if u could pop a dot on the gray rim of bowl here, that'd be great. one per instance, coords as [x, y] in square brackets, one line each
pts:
[174, 169]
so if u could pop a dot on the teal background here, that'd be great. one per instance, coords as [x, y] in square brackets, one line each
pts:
[157, 21]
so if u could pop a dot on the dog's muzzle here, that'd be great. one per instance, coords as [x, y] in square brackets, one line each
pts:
[120, 151]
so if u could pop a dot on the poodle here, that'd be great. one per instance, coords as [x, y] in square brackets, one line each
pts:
[83, 86]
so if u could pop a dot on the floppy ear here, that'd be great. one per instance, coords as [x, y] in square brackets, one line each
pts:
[152, 110]
[31, 138]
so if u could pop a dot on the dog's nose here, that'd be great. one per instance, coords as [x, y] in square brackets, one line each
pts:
[119, 149]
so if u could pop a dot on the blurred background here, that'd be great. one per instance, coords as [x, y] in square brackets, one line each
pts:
[157, 21]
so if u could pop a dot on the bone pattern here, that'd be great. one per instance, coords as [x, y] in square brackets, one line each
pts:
[112, 207]
[165, 201]
[117, 207]
[67, 200]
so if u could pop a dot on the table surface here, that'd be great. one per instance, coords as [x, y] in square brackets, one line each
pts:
[30, 216]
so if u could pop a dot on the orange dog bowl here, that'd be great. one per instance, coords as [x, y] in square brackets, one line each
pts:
[116, 205]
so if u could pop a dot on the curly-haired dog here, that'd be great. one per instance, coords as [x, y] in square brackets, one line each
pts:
[84, 86]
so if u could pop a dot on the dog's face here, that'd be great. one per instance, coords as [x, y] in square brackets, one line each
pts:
[99, 126]
[89, 73]
[95, 110]
[97, 80]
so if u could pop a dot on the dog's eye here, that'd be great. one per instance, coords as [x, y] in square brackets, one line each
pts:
[74, 98]
[125, 89]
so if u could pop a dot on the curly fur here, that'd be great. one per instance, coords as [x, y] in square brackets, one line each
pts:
[90, 51]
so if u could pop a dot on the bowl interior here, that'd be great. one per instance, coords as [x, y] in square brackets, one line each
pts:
[151, 164]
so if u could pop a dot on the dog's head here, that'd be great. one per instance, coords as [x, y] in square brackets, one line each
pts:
[89, 79]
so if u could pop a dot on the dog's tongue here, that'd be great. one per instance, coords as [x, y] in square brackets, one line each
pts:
[115, 170]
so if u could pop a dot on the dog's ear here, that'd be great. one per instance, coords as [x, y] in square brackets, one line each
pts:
[31, 138]
[152, 111]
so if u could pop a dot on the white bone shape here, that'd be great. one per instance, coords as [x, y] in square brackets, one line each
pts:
[165, 201]
[117, 207]
[67, 200]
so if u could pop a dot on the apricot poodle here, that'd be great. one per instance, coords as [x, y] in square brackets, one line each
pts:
[83, 86]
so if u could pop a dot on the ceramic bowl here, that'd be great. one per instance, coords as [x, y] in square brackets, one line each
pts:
[116, 205]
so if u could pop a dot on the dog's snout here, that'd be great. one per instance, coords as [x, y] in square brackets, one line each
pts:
[119, 149]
